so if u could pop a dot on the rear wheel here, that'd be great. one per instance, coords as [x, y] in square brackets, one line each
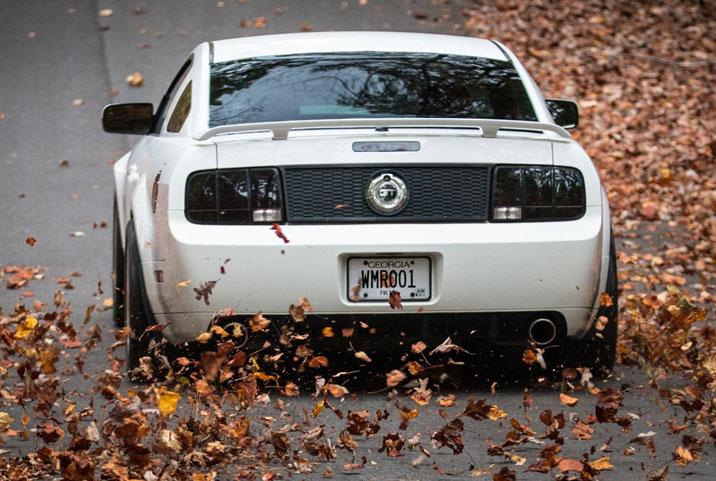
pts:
[117, 271]
[137, 313]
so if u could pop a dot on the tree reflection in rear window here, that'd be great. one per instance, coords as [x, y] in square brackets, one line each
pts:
[365, 84]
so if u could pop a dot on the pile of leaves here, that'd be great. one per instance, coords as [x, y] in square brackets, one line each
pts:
[644, 76]
[227, 407]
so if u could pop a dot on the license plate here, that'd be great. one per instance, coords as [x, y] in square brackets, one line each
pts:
[373, 278]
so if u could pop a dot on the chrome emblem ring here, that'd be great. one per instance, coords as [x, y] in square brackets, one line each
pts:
[387, 194]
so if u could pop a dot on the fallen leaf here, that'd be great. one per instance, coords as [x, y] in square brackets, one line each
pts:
[582, 431]
[394, 300]
[568, 400]
[135, 80]
[446, 401]
[394, 377]
[601, 464]
[363, 356]
[25, 328]
[418, 347]
[318, 362]
[566, 464]
[5, 421]
[336, 390]
[167, 401]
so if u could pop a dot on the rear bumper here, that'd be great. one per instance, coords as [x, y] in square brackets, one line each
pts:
[476, 268]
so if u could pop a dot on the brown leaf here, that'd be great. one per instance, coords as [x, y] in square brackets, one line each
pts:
[50, 432]
[394, 377]
[582, 431]
[605, 300]
[418, 347]
[259, 323]
[279, 233]
[529, 357]
[291, 389]
[336, 390]
[504, 474]
[318, 362]
[394, 300]
[392, 444]
[566, 464]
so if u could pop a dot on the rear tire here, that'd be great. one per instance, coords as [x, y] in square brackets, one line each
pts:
[117, 271]
[137, 313]
[598, 350]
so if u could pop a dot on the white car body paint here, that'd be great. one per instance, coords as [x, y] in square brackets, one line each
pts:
[477, 267]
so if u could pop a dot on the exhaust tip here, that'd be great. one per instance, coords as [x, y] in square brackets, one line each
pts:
[542, 331]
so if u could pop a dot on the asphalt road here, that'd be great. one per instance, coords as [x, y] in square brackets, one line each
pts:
[56, 55]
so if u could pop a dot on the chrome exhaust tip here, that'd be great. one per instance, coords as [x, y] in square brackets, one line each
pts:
[542, 331]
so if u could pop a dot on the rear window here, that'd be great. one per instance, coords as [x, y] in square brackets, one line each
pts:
[360, 85]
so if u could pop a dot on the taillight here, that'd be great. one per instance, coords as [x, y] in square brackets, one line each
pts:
[234, 196]
[539, 193]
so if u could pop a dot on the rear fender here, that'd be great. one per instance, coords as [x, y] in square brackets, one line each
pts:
[604, 265]
[120, 176]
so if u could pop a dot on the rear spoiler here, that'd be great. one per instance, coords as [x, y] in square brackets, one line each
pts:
[280, 130]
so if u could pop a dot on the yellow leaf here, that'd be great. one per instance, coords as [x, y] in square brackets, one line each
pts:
[408, 414]
[204, 337]
[5, 421]
[318, 408]
[496, 413]
[237, 330]
[601, 464]
[264, 377]
[24, 329]
[167, 401]
[211, 476]
[220, 331]
[446, 401]
[683, 456]
[414, 368]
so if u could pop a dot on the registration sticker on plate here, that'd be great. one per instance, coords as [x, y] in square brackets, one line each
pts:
[373, 278]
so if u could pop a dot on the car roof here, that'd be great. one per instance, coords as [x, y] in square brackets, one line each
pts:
[325, 42]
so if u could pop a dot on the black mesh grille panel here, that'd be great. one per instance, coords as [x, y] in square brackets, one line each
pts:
[337, 193]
